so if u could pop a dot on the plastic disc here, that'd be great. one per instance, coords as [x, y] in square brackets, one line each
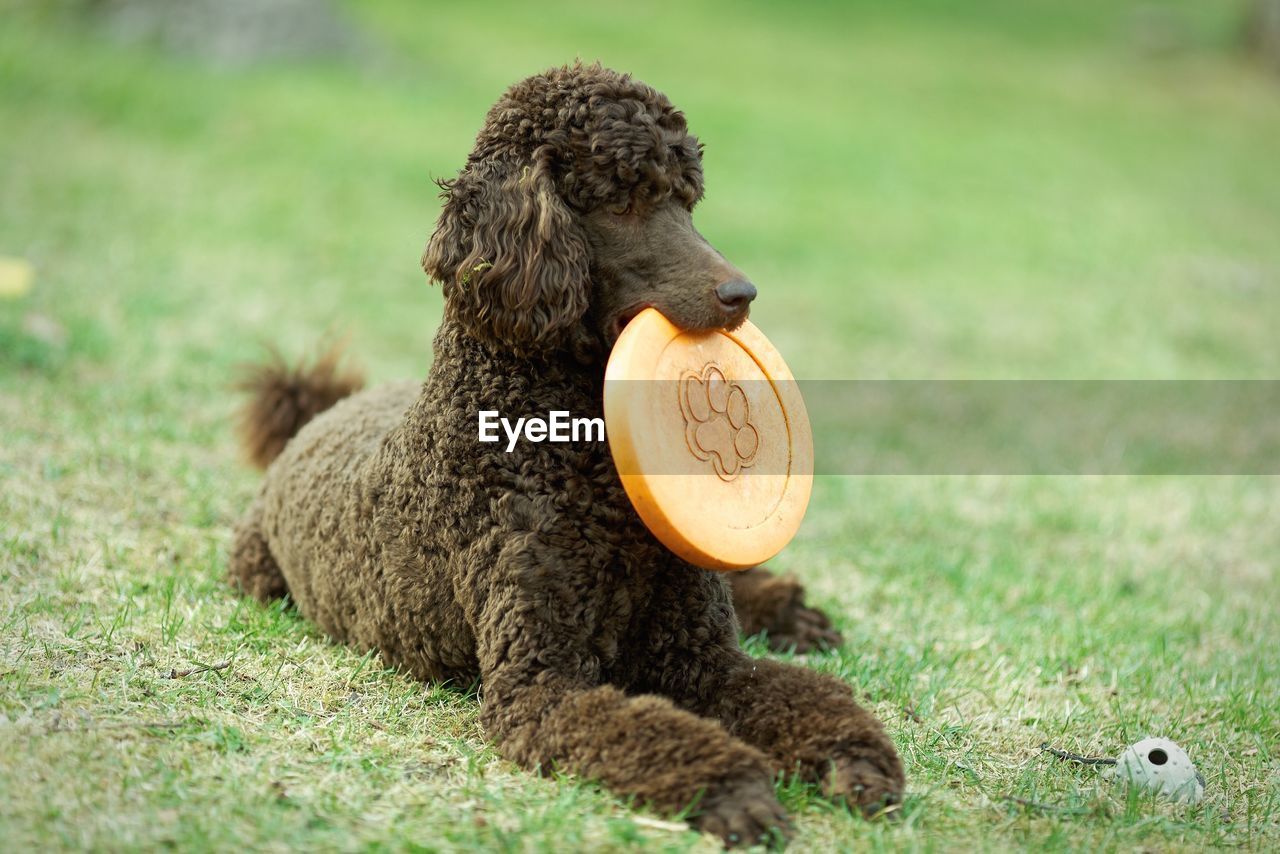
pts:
[711, 439]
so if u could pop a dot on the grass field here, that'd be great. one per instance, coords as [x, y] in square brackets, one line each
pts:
[1019, 190]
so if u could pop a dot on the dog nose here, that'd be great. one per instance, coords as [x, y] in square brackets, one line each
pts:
[736, 294]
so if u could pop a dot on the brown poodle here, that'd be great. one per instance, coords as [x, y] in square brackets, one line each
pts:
[599, 652]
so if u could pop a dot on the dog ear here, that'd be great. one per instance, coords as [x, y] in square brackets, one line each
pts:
[509, 255]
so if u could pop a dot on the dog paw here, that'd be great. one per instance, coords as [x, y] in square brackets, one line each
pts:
[747, 814]
[870, 779]
[792, 626]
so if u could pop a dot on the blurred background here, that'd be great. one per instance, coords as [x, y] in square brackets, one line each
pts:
[932, 190]
[922, 190]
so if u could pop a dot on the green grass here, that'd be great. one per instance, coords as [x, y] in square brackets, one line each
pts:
[1016, 190]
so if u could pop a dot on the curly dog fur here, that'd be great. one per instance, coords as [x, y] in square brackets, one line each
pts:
[598, 651]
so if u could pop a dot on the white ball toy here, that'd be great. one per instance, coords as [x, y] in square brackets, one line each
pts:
[1159, 765]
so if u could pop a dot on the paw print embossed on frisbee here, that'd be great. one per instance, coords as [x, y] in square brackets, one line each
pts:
[717, 418]
[710, 438]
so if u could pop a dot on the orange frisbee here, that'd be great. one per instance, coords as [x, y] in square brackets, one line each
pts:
[711, 439]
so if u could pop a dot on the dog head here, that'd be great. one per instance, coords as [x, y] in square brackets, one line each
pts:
[574, 213]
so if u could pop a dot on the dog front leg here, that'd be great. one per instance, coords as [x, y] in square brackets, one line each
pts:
[807, 723]
[637, 746]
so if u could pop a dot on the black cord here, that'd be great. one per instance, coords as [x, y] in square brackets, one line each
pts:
[1068, 756]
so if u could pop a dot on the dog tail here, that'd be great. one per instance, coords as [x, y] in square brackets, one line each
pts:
[282, 399]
